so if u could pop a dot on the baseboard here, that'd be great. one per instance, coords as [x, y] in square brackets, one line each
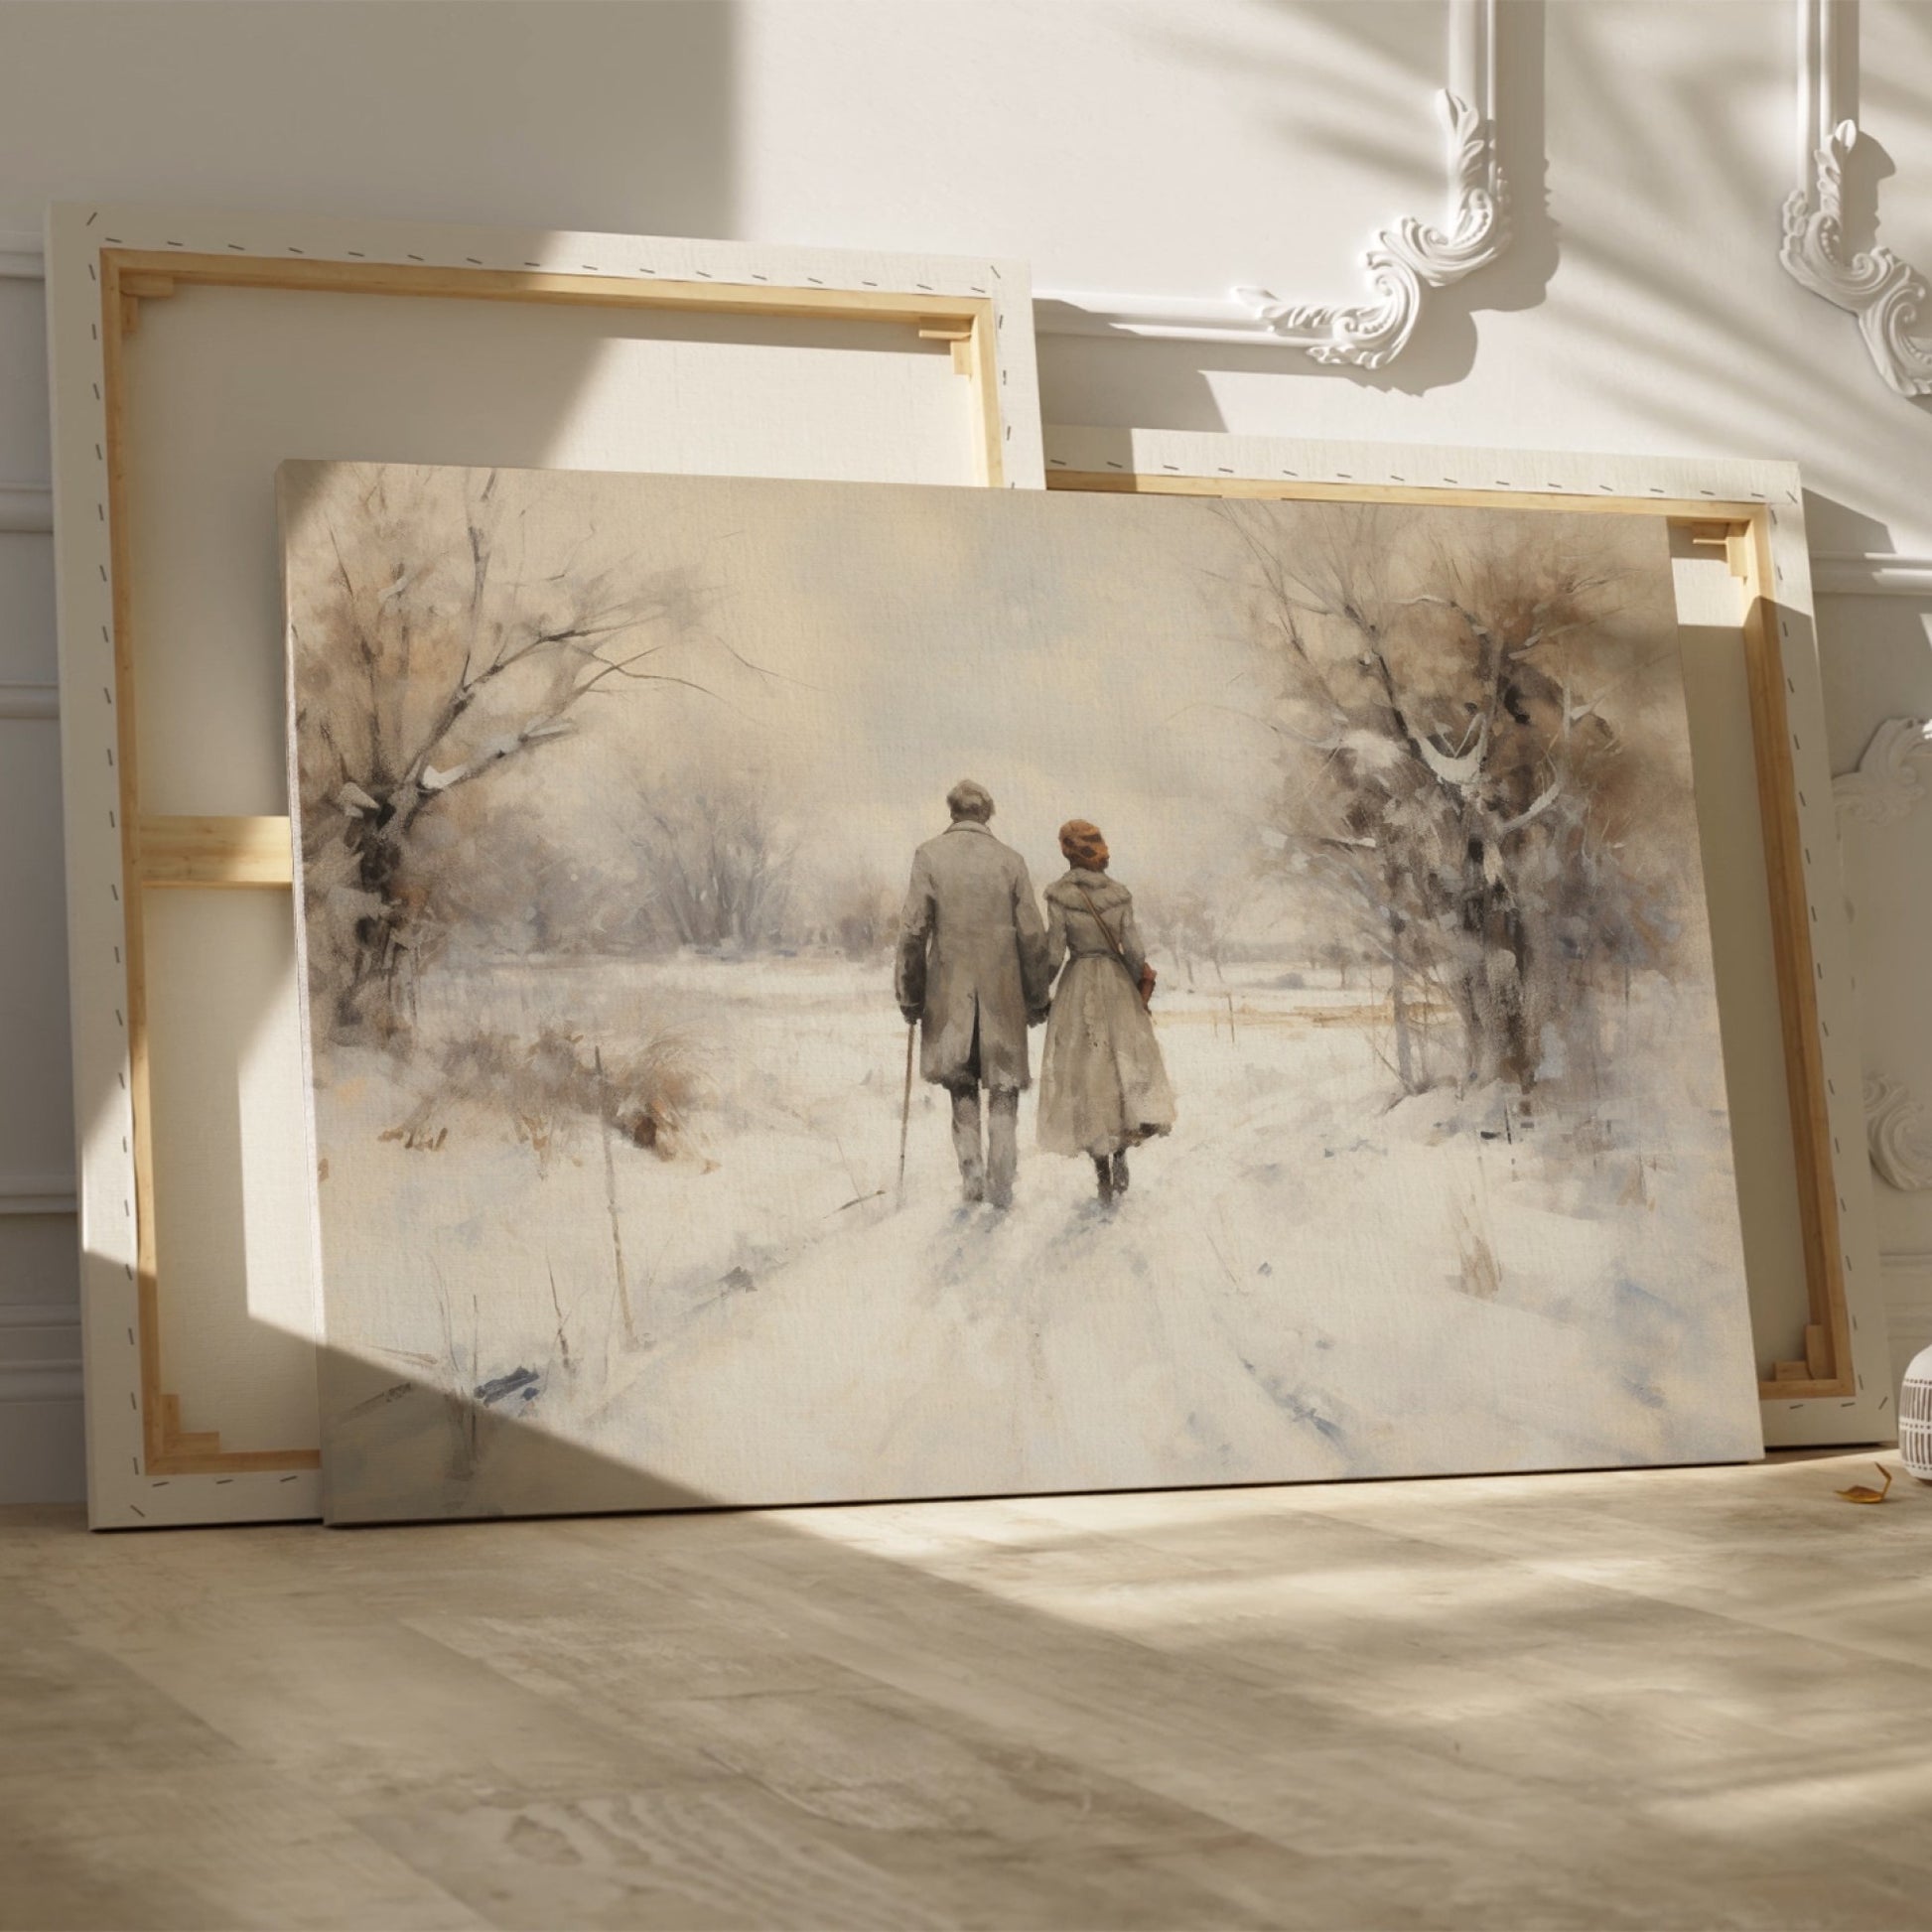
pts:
[42, 1456]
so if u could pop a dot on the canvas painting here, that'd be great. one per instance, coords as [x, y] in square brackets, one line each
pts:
[825, 990]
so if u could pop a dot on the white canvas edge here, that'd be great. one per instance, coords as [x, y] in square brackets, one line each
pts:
[1868, 1415]
[120, 1494]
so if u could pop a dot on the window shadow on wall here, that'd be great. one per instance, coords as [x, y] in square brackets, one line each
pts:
[1697, 332]
[1347, 117]
[613, 118]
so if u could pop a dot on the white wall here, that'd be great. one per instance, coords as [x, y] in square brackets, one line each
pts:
[1177, 146]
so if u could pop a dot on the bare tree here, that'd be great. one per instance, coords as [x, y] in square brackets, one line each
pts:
[526, 887]
[440, 661]
[1193, 924]
[718, 867]
[1443, 775]
[859, 912]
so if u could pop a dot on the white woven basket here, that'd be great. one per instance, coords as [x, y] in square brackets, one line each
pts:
[1915, 1417]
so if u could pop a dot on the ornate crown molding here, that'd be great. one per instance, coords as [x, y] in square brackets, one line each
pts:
[1886, 784]
[1898, 1130]
[1405, 262]
[1887, 295]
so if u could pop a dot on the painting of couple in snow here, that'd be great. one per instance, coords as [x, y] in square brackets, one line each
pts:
[751, 928]
[977, 966]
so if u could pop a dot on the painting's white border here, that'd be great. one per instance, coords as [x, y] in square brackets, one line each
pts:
[1887, 295]
[1406, 262]
[1867, 1415]
[120, 1493]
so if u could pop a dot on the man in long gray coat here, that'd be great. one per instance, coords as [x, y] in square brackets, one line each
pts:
[972, 968]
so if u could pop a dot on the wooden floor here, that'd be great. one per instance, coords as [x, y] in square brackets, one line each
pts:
[1681, 1699]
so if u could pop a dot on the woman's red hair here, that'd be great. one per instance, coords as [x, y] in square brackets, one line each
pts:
[1082, 845]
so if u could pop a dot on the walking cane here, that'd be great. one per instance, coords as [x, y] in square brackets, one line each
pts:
[906, 1108]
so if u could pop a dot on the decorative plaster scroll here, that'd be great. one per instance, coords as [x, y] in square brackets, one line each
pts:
[1887, 295]
[1408, 259]
[1886, 785]
[1405, 262]
[1898, 1130]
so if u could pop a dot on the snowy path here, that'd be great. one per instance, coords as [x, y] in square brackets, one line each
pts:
[1302, 1283]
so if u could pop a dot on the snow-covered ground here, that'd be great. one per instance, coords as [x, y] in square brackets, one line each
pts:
[1310, 1277]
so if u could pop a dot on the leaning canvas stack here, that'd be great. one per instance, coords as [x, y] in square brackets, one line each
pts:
[840, 989]
[609, 789]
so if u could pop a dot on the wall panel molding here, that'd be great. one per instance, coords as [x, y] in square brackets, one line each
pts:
[39, 1382]
[37, 1194]
[1406, 262]
[26, 509]
[40, 1457]
[39, 1314]
[30, 701]
[40, 1351]
[22, 258]
[1886, 787]
[1886, 294]
[1871, 573]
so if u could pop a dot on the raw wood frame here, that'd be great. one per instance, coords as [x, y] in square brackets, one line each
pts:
[1841, 1390]
[99, 279]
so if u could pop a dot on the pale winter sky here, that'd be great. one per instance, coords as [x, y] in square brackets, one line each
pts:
[1080, 654]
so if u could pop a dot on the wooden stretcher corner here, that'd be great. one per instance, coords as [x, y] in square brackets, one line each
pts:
[186, 853]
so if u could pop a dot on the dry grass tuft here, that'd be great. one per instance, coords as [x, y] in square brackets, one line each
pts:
[645, 1091]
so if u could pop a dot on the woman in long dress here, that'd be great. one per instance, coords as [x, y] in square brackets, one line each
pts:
[1103, 1088]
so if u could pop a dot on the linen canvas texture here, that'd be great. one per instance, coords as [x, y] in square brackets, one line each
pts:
[625, 856]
